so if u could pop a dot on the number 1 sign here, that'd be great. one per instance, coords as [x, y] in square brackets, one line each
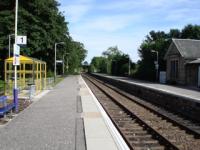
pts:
[21, 40]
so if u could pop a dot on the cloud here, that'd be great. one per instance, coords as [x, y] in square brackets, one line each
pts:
[64, 2]
[74, 13]
[100, 24]
[109, 23]
[147, 6]
[183, 14]
[134, 4]
[97, 43]
[76, 10]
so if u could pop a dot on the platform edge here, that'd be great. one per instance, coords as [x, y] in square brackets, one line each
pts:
[121, 144]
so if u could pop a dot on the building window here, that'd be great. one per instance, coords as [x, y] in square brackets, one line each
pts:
[174, 69]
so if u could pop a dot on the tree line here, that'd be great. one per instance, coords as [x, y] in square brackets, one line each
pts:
[113, 61]
[44, 25]
[117, 62]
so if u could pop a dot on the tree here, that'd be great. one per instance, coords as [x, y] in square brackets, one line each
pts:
[120, 64]
[191, 32]
[113, 61]
[77, 55]
[154, 41]
[112, 51]
[160, 41]
[98, 64]
[44, 25]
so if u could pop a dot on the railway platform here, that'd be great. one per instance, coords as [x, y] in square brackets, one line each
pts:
[66, 118]
[175, 90]
[181, 100]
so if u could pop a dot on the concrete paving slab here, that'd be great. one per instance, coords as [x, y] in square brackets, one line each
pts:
[97, 133]
[83, 92]
[96, 128]
[91, 115]
[48, 124]
[98, 143]
[88, 104]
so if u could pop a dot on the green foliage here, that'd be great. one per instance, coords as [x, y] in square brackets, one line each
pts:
[50, 74]
[160, 41]
[44, 26]
[2, 84]
[112, 62]
[112, 52]
[120, 64]
[191, 31]
[99, 64]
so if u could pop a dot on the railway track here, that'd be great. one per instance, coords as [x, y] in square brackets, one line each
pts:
[141, 127]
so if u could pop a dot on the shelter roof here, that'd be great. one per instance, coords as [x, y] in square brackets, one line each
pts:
[26, 59]
[197, 61]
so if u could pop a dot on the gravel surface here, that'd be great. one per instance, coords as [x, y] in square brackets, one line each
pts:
[48, 124]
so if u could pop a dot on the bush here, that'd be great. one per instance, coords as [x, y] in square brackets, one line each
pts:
[50, 74]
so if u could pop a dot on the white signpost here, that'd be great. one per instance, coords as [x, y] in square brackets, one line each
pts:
[19, 40]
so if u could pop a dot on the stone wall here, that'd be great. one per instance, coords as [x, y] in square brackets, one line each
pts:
[192, 75]
[174, 54]
[187, 107]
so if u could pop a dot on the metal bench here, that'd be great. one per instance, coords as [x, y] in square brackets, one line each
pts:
[5, 107]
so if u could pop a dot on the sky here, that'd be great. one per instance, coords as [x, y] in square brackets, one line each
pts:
[100, 24]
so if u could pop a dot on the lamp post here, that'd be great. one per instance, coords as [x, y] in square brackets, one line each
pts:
[156, 64]
[63, 69]
[67, 62]
[9, 38]
[60, 43]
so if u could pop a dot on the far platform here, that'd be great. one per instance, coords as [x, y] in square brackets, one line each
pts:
[174, 90]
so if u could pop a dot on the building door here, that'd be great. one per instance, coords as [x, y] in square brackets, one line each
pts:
[174, 70]
[199, 76]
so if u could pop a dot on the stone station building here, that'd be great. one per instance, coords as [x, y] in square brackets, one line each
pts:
[183, 62]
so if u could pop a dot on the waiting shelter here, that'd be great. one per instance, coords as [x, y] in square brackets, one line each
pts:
[31, 71]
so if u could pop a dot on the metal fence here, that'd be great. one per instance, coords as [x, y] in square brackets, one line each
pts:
[7, 87]
[49, 83]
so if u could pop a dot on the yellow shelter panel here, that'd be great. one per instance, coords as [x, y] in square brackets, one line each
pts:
[28, 72]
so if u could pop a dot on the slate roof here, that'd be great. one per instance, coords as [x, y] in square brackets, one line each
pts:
[188, 48]
[197, 61]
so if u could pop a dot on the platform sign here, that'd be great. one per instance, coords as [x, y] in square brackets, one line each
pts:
[16, 49]
[59, 61]
[16, 55]
[21, 40]
[16, 60]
